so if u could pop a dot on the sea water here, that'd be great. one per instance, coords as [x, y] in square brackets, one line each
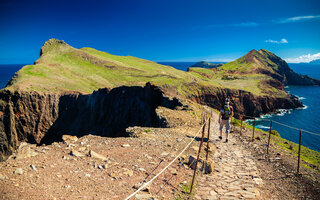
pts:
[7, 71]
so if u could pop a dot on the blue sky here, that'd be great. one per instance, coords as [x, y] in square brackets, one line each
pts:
[166, 30]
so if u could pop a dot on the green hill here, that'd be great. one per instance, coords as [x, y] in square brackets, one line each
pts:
[62, 68]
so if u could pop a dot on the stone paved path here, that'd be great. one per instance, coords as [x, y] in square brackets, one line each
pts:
[235, 173]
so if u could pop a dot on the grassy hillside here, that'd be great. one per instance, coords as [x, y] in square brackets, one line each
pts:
[64, 68]
[252, 72]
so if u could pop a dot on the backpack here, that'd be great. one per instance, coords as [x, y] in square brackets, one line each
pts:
[226, 112]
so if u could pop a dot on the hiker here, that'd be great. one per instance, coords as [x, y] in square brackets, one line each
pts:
[225, 116]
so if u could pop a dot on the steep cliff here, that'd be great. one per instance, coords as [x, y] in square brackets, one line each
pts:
[44, 117]
[243, 102]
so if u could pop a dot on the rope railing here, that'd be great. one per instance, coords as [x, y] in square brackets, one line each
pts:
[166, 167]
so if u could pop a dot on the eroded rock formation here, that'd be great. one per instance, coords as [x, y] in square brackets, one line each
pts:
[44, 118]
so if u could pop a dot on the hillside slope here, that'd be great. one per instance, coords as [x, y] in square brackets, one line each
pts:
[259, 72]
[64, 68]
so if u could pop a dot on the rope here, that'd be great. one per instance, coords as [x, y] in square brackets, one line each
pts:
[310, 132]
[296, 128]
[144, 185]
[286, 125]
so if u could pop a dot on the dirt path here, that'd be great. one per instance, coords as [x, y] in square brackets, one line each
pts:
[235, 176]
[243, 171]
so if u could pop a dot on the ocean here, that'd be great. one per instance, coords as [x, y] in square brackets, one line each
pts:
[7, 71]
[307, 118]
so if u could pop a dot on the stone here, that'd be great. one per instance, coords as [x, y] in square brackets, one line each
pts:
[69, 138]
[145, 189]
[164, 154]
[208, 166]
[83, 149]
[143, 196]
[258, 180]
[125, 145]
[97, 155]
[174, 171]
[18, 171]
[192, 162]
[25, 151]
[142, 169]
[33, 168]
[2, 177]
[196, 148]
[88, 175]
[128, 172]
[76, 153]
[213, 193]
[147, 156]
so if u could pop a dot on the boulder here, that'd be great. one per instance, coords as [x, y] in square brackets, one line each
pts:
[69, 138]
[96, 155]
[19, 171]
[208, 166]
[76, 153]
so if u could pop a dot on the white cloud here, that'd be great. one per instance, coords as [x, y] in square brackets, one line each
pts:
[282, 41]
[304, 58]
[299, 19]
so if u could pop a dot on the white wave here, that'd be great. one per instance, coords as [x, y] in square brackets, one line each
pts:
[286, 86]
[266, 116]
[280, 114]
[303, 108]
[301, 98]
[262, 127]
[248, 120]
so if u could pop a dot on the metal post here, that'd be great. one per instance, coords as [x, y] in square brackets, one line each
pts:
[241, 126]
[269, 137]
[208, 147]
[299, 152]
[254, 124]
[195, 170]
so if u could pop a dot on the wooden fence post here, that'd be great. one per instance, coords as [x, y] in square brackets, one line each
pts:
[269, 137]
[299, 151]
[208, 138]
[241, 125]
[195, 170]
[254, 124]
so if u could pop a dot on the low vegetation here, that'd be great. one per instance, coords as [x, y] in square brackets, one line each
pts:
[64, 68]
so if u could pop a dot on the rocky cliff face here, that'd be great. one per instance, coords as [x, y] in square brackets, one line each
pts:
[25, 117]
[44, 118]
[287, 75]
[245, 103]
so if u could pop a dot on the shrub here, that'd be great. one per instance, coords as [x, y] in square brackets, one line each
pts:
[275, 133]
